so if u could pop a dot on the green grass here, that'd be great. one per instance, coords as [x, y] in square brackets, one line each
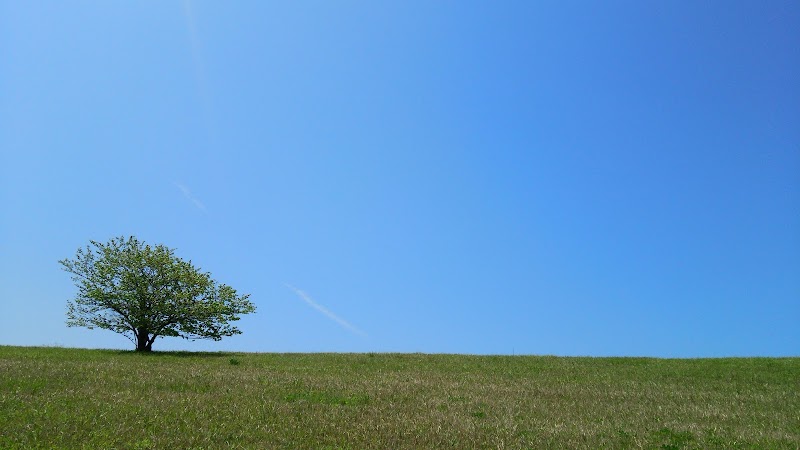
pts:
[70, 398]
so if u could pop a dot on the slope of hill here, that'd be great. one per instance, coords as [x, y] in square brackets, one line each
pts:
[72, 398]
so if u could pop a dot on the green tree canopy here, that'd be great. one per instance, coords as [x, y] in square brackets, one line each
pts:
[145, 292]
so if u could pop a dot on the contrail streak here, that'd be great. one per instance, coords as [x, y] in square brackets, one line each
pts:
[199, 69]
[188, 194]
[328, 313]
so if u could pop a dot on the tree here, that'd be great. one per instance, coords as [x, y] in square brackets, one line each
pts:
[146, 292]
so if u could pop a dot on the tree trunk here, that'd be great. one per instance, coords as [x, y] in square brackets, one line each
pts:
[142, 341]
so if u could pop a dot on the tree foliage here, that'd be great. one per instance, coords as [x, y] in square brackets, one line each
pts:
[145, 292]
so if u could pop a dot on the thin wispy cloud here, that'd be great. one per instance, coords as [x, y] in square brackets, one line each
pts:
[325, 311]
[199, 68]
[188, 194]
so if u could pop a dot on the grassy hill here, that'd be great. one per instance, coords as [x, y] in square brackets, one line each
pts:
[71, 398]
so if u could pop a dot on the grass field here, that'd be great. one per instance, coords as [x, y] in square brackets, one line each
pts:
[70, 398]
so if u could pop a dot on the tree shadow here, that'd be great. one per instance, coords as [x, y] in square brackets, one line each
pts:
[178, 354]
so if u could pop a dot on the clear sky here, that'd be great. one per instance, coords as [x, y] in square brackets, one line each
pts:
[529, 177]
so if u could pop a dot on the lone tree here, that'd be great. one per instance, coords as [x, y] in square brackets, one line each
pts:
[146, 292]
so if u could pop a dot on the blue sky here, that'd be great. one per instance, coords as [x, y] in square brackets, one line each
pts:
[568, 178]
